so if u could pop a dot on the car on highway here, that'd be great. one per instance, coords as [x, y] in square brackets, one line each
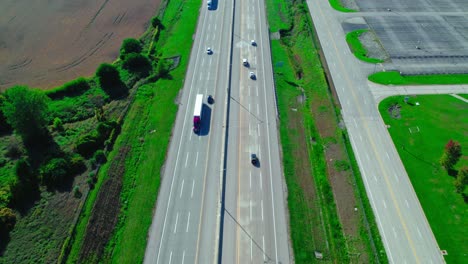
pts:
[254, 159]
[245, 62]
[209, 51]
[252, 75]
[209, 3]
[210, 99]
[253, 43]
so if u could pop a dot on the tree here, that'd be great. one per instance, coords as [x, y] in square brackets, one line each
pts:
[462, 180]
[109, 79]
[137, 63]
[451, 155]
[26, 110]
[156, 22]
[4, 126]
[130, 45]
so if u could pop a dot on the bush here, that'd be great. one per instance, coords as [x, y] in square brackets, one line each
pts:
[109, 79]
[87, 145]
[155, 22]
[77, 163]
[76, 192]
[58, 124]
[130, 45]
[4, 126]
[99, 157]
[54, 172]
[137, 63]
[14, 149]
[7, 220]
[70, 89]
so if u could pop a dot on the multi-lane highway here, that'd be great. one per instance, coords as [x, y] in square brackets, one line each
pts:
[187, 225]
[254, 220]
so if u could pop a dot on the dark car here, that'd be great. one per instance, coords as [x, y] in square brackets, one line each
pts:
[210, 99]
[254, 159]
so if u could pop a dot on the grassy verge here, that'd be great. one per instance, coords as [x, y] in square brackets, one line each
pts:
[141, 183]
[357, 48]
[464, 96]
[420, 151]
[337, 5]
[395, 78]
[304, 102]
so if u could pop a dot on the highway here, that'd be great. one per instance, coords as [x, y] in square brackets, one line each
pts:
[186, 225]
[254, 220]
[186, 221]
[406, 234]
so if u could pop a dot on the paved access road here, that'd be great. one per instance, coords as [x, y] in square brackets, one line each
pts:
[405, 231]
[254, 220]
[185, 224]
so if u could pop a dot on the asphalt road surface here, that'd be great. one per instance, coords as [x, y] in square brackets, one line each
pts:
[406, 234]
[185, 224]
[254, 220]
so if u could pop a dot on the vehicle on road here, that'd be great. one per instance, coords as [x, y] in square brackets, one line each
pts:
[253, 42]
[209, 3]
[245, 62]
[197, 113]
[254, 159]
[252, 75]
[209, 51]
[210, 99]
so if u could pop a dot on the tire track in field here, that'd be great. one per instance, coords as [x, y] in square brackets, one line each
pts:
[20, 65]
[119, 18]
[87, 54]
[97, 14]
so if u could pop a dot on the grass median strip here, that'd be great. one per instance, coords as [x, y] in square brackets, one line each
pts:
[395, 78]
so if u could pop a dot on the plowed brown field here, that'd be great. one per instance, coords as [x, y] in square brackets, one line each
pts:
[46, 43]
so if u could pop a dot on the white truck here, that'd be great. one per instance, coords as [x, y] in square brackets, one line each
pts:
[197, 113]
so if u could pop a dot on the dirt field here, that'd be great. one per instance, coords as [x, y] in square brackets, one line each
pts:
[46, 43]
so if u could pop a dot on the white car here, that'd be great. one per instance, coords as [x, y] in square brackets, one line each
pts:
[245, 62]
[209, 51]
[253, 42]
[252, 75]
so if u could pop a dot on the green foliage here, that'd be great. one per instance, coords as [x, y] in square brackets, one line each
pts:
[395, 78]
[58, 124]
[25, 185]
[14, 149]
[109, 79]
[130, 45]
[4, 126]
[7, 220]
[439, 118]
[357, 48]
[54, 172]
[99, 157]
[70, 89]
[137, 63]
[26, 110]
[76, 192]
[341, 165]
[462, 180]
[88, 144]
[155, 22]
[452, 154]
[162, 68]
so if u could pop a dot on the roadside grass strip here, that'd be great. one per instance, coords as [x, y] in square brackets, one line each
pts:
[337, 5]
[395, 78]
[420, 133]
[352, 38]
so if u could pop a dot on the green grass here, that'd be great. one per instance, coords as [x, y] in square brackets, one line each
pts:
[357, 48]
[141, 184]
[336, 4]
[464, 96]
[394, 78]
[439, 119]
[279, 15]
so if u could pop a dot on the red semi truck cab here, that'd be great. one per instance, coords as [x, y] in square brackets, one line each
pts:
[197, 113]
